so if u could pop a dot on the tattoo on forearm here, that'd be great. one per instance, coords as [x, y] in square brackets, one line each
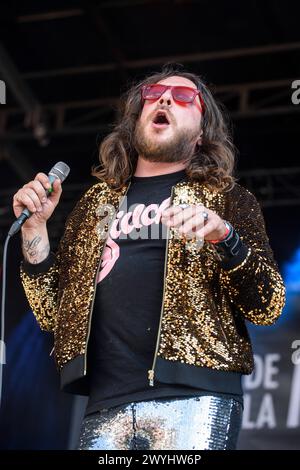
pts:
[32, 251]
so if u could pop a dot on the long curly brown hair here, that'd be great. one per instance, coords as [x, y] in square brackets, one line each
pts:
[213, 162]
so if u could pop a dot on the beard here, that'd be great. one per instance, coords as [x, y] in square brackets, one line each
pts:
[179, 148]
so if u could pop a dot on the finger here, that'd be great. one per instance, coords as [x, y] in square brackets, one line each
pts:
[174, 209]
[175, 217]
[44, 180]
[38, 188]
[209, 227]
[192, 225]
[56, 190]
[22, 199]
[34, 197]
[187, 214]
[170, 212]
[176, 220]
[188, 211]
[57, 185]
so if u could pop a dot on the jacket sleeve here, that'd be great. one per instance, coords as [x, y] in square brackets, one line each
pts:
[254, 285]
[42, 282]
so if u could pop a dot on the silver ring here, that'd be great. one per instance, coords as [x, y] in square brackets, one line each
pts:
[184, 206]
[205, 216]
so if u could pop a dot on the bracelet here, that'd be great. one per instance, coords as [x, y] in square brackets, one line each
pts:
[228, 230]
[231, 245]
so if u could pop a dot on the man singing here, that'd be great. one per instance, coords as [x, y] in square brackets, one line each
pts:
[160, 264]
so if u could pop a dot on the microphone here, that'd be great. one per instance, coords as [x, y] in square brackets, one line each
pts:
[61, 171]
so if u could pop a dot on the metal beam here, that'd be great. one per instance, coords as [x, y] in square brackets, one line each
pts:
[103, 29]
[70, 13]
[50, 15]
[183, 58]
[16, 83]
[274, 187]
[25, 97]
[248, 107]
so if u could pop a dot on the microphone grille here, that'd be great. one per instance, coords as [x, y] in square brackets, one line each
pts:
[60, 170]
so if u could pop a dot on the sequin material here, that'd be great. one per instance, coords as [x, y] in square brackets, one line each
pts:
[196, 423]
[204, 305]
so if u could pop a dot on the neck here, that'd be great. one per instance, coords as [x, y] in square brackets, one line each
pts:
[146, 168]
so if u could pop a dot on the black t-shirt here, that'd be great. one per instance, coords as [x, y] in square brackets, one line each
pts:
[129, 298]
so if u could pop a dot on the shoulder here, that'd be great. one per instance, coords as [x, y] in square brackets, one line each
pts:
[242, 205]
[87, 202]
[240, 194]
[93, 195]
[94, 190]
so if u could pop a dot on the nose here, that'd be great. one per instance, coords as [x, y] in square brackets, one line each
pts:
[166, 98]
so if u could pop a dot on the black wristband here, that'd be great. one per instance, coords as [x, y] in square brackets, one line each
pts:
[231, 245]
[39, 268]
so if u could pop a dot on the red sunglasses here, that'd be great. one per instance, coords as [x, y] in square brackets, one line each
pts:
[182, 94]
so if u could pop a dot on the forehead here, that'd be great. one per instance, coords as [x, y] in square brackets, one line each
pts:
[178, 81]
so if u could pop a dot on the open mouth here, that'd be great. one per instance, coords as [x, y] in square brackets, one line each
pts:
[161, 119]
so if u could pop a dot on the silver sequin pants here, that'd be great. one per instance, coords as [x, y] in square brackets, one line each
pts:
[199, 423]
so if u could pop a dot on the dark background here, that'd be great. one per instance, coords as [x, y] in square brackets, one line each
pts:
[65, 64]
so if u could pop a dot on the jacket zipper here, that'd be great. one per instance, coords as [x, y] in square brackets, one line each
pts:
[152, 370]
[95, 284]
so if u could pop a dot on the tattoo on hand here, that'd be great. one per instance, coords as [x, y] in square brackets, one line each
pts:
[31, 251]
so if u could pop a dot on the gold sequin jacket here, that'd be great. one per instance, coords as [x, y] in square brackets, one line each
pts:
[205, 300]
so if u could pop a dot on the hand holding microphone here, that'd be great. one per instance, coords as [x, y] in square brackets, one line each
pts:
[33, 205]
[35, 202]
